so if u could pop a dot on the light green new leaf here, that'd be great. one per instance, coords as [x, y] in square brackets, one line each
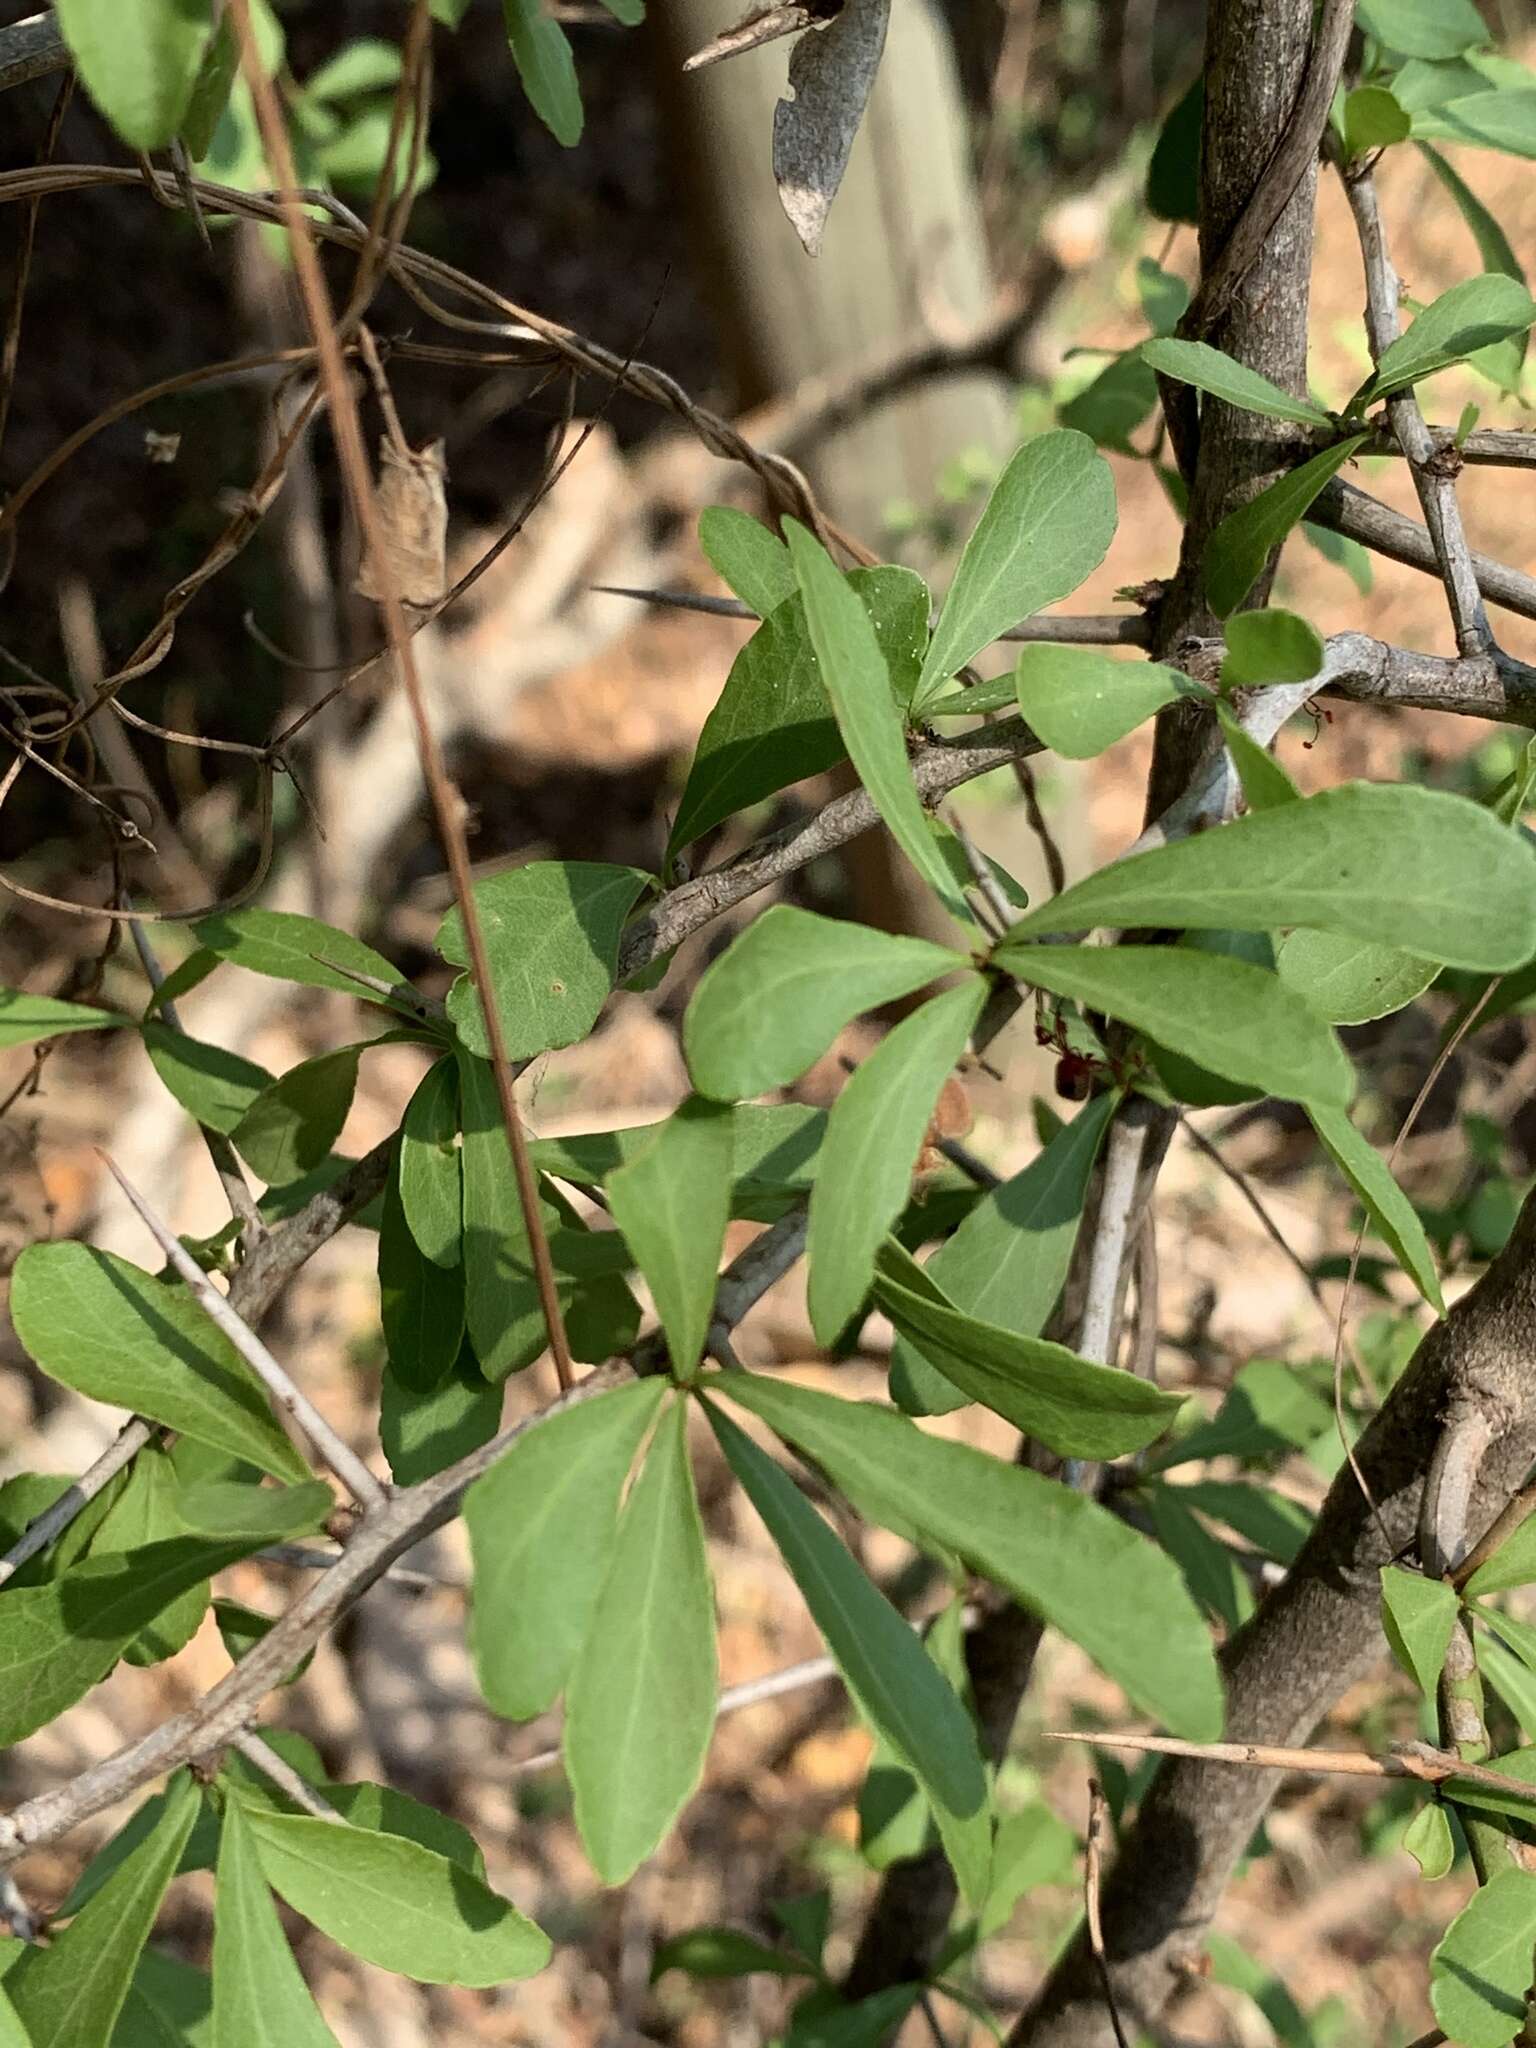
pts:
[672, 1203]
[857, 679]
[1389, 1208]
[215, 1086]
[287, 947]
[259, 1998]
[748, 557]
[1387, 862]
[1481, 1971]
[640, 1703]
[1046, 527]
[431, 1180]
[138, 60]
[773, 724]
[1428, 1840]
[895, 1683]
[1245, 539]
[1372, 119]
[1418, 1615]
[1237, 1020]
[1197, 363]
[1470, 316]
[545, 64]
[1423, 28]
[1080, 701]
[775, 1000]
[291, 1126]
[541, 1533]
[1080, 1409]
[1264, 782]
[1007, 1261]
[70, 1993]
[1512, 1564]
[1349, 981]
[552, 933]
[1063, 1556]
[395, 1903]
[104, 1327]
[24, 1019]
[874, 1135]
[1270, 647]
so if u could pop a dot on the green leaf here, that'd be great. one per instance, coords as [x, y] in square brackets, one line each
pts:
[12, 2033]
[420, 1305]
[259, 1998]
[395, 1903]
[630, 12]
[179, 1999]
[1423, 28]
[774, 723]
[708, 1952]
[542, 1526]
[1080, 701]
[1372, 119]
[1418, 1615]
[138, 60]
[1344, 553]
[1235, 1019]
[70, 1994]
[502, 1308]
[1032, 1848]
[241, 1628]
[292, 1125]
[215, 1086]
[1487, 120]
[857, 678]
[1270, 647]
[1469, 316]
[552, 935]
[747, 557]
[1269, 1409]
[1272, 1523]
[367, 64]
[1245, 539]
[1512, 1564]
[1348, 981]
[1062, 1555]
[287, 947]
[874, 1136]
[96, 1323]
[1173, 175]
[148, 1511]
[1164, 297]
[1264, 782]
[1207, 369]
[424, 1431]
[1007, 1261]
[672, 1203]
[1210, 1570]
[647, 1666]
[210, 90]
[1387, 862]
[774, 1150]
[1481, 1971]
[1493, 245]
[1045, 529]
[1113, 406]
[775, 1000]
[1079, 1409]
[1429, 1841]
[24, 1019]
[431, 1182]
[1389, 1208]
[544, 63]
[894, 1682]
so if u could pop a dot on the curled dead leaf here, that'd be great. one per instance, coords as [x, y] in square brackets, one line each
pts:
[413, 515]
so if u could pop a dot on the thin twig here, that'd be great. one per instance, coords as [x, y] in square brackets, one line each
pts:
[1416, 1760]
[256, 1750]
[56, 1518]
[1093, 1870]
[447, 804]
[294, 1402]
[1103, 629]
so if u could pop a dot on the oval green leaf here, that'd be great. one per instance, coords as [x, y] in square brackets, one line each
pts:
[1080, 701]
[672, 1203]
[1197, 363]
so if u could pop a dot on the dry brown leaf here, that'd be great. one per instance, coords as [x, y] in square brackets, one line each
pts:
[413, 518]
[831, 74]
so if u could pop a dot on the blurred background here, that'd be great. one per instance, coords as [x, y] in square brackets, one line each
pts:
[990, 254]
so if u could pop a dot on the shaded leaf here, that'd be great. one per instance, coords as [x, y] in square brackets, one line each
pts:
[874, 1135]
[1512, 1564]
[106, 1328]
[672, 1203]
[1173, 174]
[1268, 1409]
[1113, 406]
[1264, 782]
[545, 65]
[422, 1431]
[1343, 553]
[1428, 1839]
[421, 1305]
[1481, 1971]
[215, 1086]
[775, 1000]
[707, 1952]
[1389, 1208]
[541, 1527]
[1245, 539]
[648, 1664]
[1045, 529]
[292, 1125]
[1372, 119]
[149, 1511]
[431, 1183]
